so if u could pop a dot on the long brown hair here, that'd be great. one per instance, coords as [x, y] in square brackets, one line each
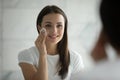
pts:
[62, 47]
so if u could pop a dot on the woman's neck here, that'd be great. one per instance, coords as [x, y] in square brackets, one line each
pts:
[51, 49]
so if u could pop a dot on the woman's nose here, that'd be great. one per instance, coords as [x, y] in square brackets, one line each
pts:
[54, 30]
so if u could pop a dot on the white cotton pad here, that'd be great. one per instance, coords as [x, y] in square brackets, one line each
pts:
[43, 30]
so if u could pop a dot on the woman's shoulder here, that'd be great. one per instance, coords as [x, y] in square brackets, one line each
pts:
[74, 54]
[76, 61]
[75, 57]
[27, 55]
[30, 49]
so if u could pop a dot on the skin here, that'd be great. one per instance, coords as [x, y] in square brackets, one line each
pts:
[46, 43]
[98, 52]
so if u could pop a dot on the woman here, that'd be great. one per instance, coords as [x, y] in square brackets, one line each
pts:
[50, 58]
[107, 69]
[109, 37]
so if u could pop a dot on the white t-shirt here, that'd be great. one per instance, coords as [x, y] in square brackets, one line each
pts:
[31, 56]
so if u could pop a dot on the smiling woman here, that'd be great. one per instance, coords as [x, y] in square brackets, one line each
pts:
[50, 58]
[54, 25]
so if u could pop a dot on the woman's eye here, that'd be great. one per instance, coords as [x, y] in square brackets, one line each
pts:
[48, 25]
[59, 26]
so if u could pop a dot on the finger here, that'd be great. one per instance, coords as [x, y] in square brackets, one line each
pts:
[43, 33]
[39, 28]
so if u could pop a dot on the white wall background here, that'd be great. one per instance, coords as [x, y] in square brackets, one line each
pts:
[0, 39]
[18, 31]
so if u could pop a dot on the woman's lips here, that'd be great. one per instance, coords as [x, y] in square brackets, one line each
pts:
[53, 36]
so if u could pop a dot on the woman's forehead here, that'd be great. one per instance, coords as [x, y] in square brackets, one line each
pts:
[53, 17]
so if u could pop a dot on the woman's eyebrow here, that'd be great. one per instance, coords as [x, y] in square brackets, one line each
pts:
[59, 22]
[47, 22]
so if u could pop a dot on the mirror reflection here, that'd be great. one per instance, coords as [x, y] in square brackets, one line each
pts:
[18, 31]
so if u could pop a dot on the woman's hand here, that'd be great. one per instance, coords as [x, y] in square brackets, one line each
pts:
[40, 41]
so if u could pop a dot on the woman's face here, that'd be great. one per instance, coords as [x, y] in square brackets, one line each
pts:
[54, 24]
